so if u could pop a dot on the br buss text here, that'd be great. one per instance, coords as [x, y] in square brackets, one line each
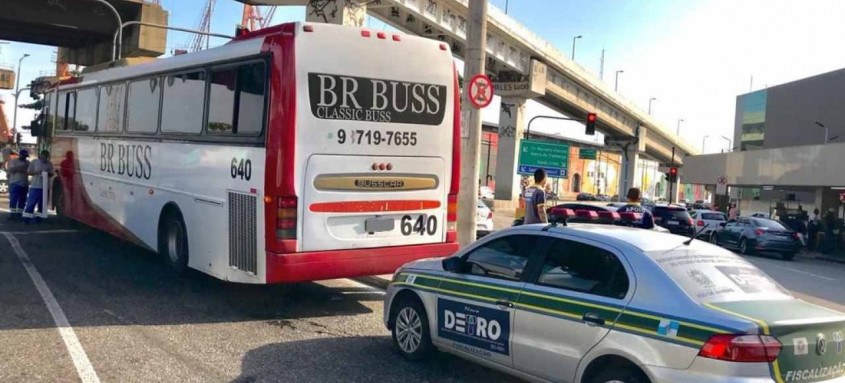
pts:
[336, 97]
[132, 160]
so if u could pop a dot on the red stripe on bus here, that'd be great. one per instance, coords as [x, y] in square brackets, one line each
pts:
[373, 206]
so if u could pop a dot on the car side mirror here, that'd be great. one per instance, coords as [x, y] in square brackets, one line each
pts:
[722, 224]
[455, 265]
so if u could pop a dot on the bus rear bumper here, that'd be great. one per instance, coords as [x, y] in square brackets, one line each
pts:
[349, 263]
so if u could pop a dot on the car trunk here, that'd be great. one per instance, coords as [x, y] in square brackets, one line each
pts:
[812, 337]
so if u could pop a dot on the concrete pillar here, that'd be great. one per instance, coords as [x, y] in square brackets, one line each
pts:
[351, 13]
[511, 126]
[630, 158]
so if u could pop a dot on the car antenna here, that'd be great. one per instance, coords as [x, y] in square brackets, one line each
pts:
[554, 224]
[695, 234]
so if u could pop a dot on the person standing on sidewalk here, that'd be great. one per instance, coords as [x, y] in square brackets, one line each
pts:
[36, 191]
[18, 184]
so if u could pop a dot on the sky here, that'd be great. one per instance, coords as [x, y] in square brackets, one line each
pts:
[693, 56]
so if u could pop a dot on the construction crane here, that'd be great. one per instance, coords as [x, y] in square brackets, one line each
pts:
[200, 41]
[252, 18]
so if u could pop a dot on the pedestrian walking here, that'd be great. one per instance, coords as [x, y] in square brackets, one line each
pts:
[813, 229]
[16, 169]
[733, 212]
[35, 198]
[634, 206]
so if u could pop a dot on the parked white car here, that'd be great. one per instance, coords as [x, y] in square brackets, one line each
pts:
[4, 182]
[485, 218]
[707, 221]
[485, 192]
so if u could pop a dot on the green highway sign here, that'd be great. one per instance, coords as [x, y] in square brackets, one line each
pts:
[551, 156]
[586, 154]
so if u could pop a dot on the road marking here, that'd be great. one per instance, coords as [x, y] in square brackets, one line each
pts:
[80, 360]
[804, 272]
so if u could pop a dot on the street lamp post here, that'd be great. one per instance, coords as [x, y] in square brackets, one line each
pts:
[17, 93]
[649, 104]
[616, 83]
[678, 129]
[703, 140]
[730, 143]
[826, 131]
[573, 46]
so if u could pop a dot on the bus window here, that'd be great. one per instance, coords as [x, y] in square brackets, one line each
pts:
[86, 110]
[184, 96]
[67, 106]
[110, 116]
[221, 101]
[237, 100]
[142, 110]
[250, 111]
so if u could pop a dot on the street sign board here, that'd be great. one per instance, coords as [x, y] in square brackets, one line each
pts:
[587, 153]
[551, 156]
[480, 91]
[722, 185]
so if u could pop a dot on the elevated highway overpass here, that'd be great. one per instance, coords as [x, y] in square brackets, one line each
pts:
[526, 66]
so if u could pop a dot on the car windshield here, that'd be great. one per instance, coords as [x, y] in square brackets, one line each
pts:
[769, 224]
[708, 274]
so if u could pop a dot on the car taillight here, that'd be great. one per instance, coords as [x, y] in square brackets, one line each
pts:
[700, 223]
[691, 222]
[286, 218]
[490, 214]
[795, 234]
[759, 231]
[741, 348]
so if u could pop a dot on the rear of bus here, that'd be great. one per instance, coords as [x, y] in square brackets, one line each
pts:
[373, 181]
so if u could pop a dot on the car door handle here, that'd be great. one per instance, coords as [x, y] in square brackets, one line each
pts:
[592, 319]
[504, 303]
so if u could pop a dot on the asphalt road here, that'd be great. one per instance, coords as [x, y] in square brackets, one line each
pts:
[136, 322]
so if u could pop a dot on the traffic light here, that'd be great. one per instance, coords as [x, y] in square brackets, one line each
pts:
[673, 174]
[591, 124]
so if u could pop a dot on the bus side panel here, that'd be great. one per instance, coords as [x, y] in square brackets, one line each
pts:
[121, 186]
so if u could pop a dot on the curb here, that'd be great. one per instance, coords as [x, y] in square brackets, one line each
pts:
[831, 258]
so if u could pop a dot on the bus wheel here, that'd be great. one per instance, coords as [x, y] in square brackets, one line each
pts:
[173, 242]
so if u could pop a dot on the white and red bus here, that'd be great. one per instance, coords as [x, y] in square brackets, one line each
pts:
[294, 153]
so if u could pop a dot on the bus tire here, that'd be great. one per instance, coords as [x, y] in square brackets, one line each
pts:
[173, 241]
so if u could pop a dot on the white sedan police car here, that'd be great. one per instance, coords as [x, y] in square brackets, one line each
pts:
[604, 303]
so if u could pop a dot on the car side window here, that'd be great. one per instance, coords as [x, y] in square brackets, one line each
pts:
[503, 258]
[584, 268]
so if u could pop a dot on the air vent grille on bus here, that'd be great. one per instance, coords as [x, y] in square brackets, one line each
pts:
[243, 231]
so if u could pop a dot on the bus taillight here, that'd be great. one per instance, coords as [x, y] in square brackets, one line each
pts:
[452, 218]
[286, 218]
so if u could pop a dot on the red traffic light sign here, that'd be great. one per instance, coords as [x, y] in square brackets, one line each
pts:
[480, 91]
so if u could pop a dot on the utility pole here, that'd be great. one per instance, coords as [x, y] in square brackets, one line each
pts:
[751, 84]
[671, 181]
[601, 66]
[471, 127]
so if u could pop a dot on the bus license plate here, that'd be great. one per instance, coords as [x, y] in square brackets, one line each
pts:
[374, 225]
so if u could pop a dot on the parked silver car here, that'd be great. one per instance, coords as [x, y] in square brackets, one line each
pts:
[604, 303]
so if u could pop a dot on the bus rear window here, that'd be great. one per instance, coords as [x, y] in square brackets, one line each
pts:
[718, 276]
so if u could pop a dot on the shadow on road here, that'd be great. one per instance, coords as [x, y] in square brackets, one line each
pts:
[341, 360]
[102, 281]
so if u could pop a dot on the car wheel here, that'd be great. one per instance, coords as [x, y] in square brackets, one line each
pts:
[714, 239]
[620, 375]
[411, 336]
[788, 256]
[743, 246]
[173, 242]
